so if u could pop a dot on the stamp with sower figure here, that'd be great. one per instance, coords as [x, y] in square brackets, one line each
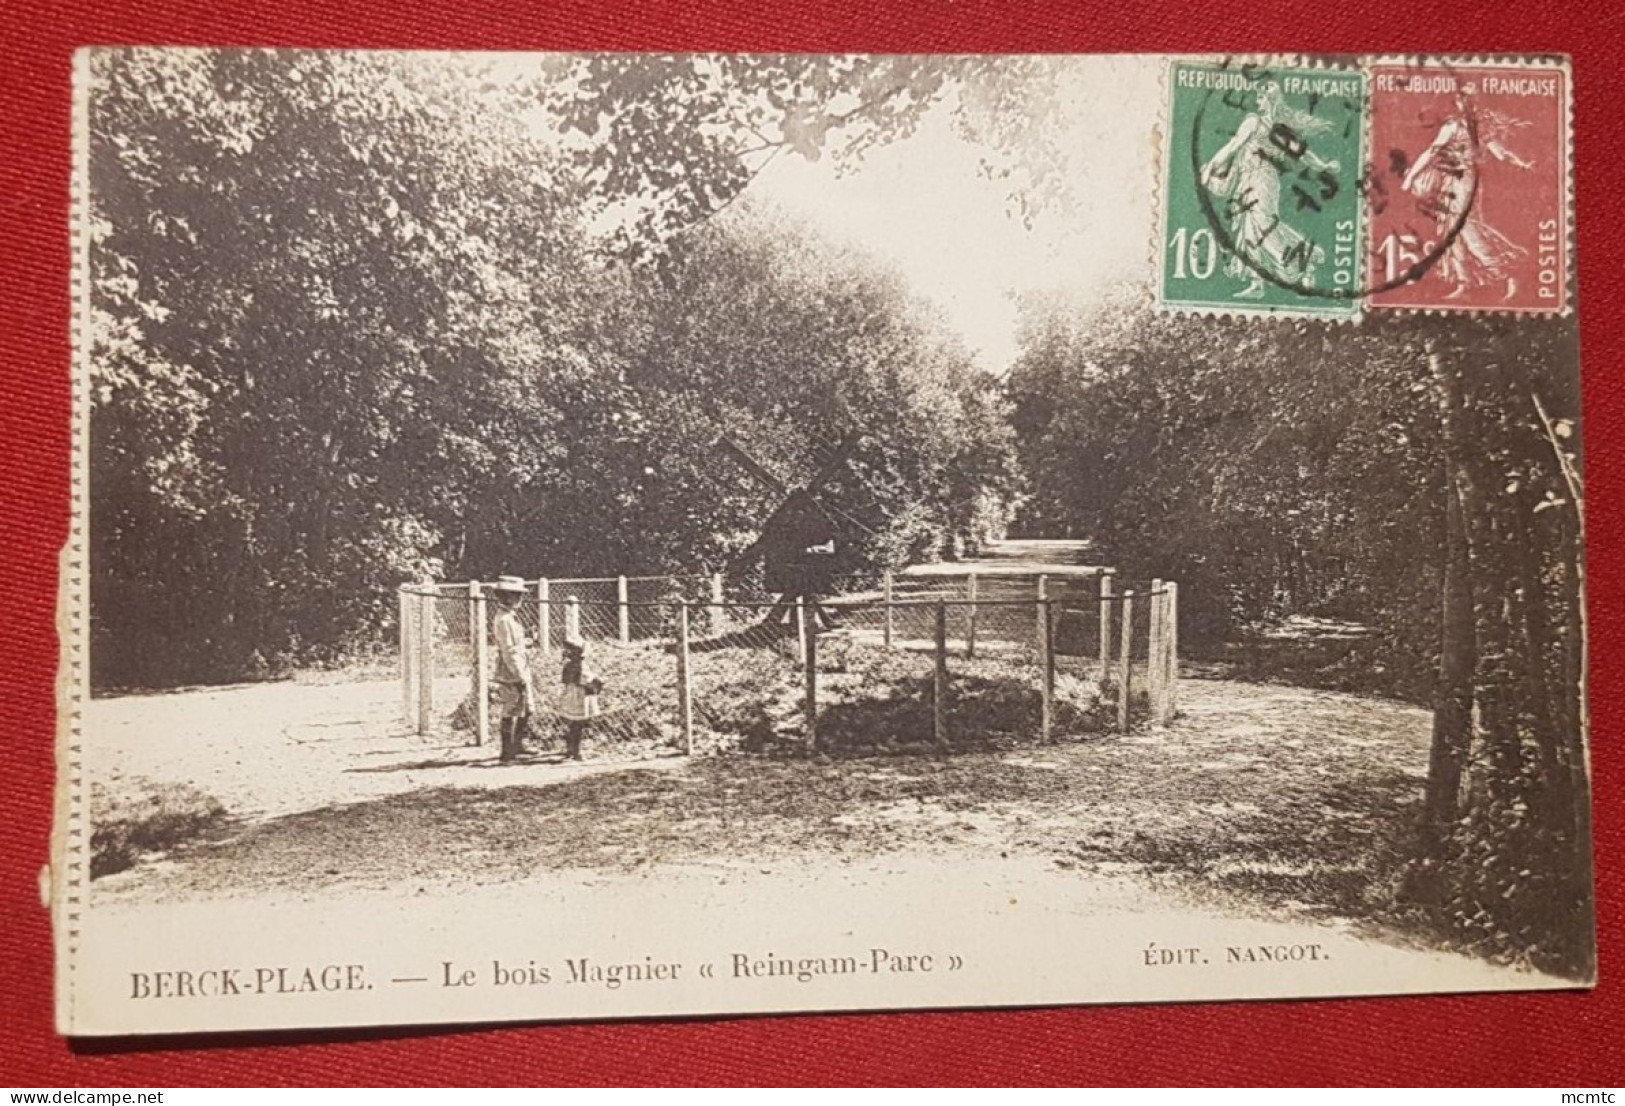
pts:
[1469, 187]
[1451, 178]
[1263, 210]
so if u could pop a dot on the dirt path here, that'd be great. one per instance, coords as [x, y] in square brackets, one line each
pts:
[1279, 805]
[1018, 556]
[1278, 792]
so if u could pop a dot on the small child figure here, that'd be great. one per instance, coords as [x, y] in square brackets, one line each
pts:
[578, 702]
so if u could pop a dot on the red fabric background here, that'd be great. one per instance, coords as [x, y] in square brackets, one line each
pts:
[1549, 1039]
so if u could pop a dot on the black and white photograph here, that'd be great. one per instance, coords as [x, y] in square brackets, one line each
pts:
[568, 536]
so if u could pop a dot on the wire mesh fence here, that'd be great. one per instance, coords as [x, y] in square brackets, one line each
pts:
[611, 608]
[893, 663]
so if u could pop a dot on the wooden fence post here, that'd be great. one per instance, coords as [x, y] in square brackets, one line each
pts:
[480, 687]
[1047, 680]
[888, 629]
[407, 611]
[624, 620]
[572, 618]
[1105, 629]
[1043, 597]
[970, 630]
[939, 680]
[1153, 652]
[426, 616]
[685, 689]
[809, 662]
[544, 632]
[1124, 662]
[801, 629]
[714, 620]
[1165, 672]
[1171, 704]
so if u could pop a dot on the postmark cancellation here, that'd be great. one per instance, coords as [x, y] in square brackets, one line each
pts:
[1339, 188]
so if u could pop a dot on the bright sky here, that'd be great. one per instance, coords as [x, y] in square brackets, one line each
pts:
[921, 206]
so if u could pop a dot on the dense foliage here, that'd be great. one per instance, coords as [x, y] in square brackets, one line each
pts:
[1415, 476]
[354, 324]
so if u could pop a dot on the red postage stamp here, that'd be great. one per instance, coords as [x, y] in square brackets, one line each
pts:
[1468, 187]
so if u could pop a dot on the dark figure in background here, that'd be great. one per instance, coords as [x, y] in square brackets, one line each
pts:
[798, 546]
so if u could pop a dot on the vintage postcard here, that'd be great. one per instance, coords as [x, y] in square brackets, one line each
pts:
[569, 536]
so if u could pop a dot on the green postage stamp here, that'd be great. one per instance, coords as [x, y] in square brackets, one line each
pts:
[1262, 212]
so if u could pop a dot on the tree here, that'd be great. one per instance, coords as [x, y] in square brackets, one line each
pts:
[789, 346]
[671, 141]
[1288, 470]
[1506, 833]
[305, 278]
[352, 329]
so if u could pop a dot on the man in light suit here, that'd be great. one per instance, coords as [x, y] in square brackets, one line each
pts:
[516, 695]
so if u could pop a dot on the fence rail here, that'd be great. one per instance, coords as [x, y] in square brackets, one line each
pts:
[940, 662]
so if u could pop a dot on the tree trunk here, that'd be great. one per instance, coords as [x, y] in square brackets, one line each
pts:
[1572, 700]
[1458, 653]
[1551, 723]
[1574, 690]
[1453, 698]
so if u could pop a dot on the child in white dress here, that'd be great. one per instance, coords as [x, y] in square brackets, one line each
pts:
[578, 702]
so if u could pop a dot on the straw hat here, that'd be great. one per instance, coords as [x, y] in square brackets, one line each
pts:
[510, 585]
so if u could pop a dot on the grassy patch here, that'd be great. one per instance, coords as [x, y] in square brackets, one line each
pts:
[1356, 661]
[142, 817]
[877, 700]
[1328, 848]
